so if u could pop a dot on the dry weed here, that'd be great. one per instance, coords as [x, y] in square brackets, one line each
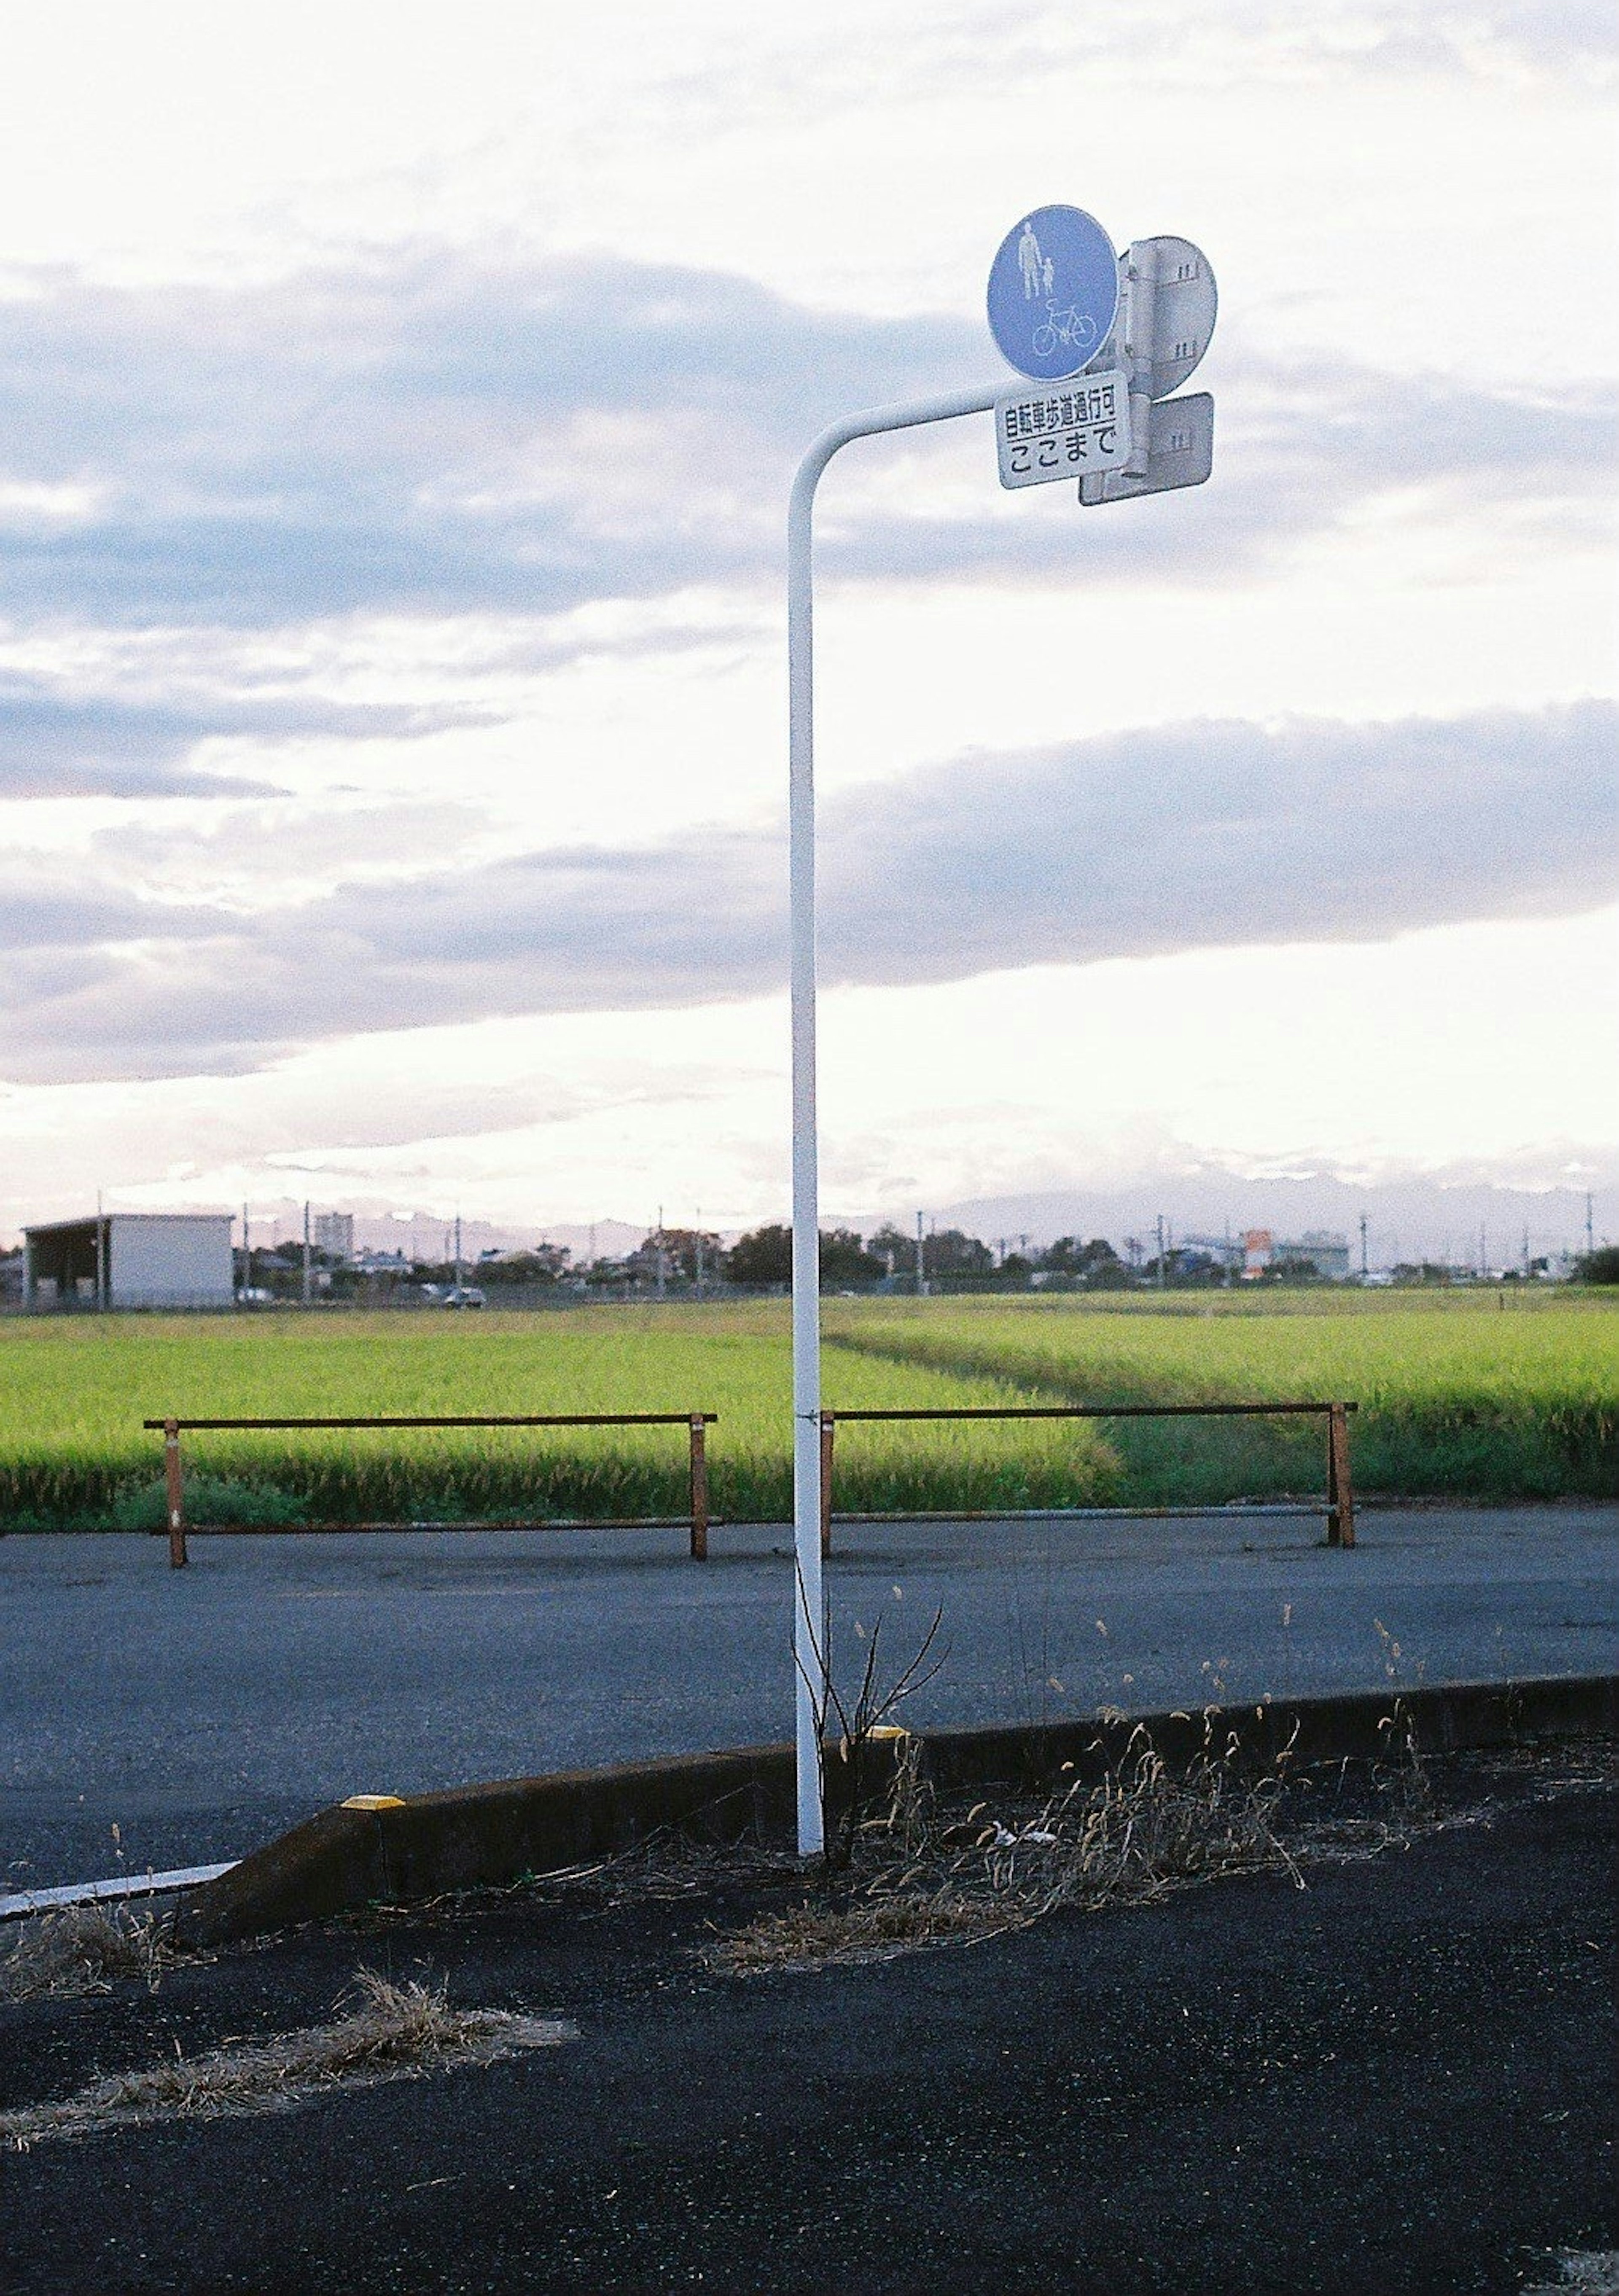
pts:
[867, 1929]
[395, 2032]
[1141, 1830]
[82, 1949]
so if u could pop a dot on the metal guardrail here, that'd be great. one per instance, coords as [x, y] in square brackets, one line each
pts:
[696, 1423]
[1339, 1507]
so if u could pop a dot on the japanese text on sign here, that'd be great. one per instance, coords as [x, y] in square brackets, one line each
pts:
[1063, 431]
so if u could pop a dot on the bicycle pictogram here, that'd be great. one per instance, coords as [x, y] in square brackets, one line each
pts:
[1071, 327]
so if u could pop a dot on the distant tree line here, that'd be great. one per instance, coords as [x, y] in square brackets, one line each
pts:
[685, 1261]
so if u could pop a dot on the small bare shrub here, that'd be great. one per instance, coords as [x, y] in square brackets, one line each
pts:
[859, 1724]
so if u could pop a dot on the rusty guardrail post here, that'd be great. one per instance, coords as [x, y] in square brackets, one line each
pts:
[1340, 1496]
[173, 1492]
[828, 1421]
[699, 1490]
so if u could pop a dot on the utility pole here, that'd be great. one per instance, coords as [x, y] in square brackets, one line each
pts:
[921, 1276]
[1364, 1268]
[247, 1258]
[659, 1259]
[1591, 1241]
[308, 1284]
[699, 1252]
[1160, 1226]
[458, 1251]
[1484, 1254]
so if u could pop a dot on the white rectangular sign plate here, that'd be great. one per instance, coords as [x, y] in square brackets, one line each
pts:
[1179, 453]
[1063, 430]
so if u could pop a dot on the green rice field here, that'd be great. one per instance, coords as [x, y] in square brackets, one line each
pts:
[1490, 1395]
[76, 1391]
[1457, 1398]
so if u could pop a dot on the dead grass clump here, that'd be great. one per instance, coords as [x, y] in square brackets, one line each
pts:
[395, 2032]
[1143, 1829]
[82, 1949]
[867, 1929]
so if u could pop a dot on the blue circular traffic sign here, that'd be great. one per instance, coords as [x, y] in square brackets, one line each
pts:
[1054, 289]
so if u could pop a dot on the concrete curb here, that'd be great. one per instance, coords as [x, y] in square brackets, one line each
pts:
[478, 1836]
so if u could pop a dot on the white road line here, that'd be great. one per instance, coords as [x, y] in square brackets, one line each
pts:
[95, 1894]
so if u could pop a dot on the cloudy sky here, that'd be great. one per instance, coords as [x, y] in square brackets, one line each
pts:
[397, 408]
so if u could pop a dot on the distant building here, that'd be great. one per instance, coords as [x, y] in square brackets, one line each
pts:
[129, 1259]
[1317, 1248]
[334, 1234]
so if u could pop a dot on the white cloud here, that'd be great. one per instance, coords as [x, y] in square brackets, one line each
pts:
[1470, 1051]
[1177, 837]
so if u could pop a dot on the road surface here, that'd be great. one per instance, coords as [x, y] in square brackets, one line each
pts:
[198, 1712]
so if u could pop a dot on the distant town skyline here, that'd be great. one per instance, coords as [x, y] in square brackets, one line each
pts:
[400, 405]
[1417, 1221]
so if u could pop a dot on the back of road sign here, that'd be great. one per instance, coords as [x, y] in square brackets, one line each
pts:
[1179, 453]
[1053, 292]
[1168, 304]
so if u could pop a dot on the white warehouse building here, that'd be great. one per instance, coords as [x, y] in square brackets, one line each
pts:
[129, 1259]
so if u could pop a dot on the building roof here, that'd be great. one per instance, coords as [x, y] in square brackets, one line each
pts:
[125, 1220]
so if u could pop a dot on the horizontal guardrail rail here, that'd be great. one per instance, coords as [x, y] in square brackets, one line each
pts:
[696, 1424]
[1338, 1506]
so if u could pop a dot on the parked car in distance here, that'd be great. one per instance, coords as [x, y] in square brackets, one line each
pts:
[463, 1295]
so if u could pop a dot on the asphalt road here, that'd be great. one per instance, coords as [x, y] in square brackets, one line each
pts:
[199, 1713]
[1399, 2081]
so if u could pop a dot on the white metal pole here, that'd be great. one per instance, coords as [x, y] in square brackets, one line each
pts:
[810, 1617]
[1141, 295]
